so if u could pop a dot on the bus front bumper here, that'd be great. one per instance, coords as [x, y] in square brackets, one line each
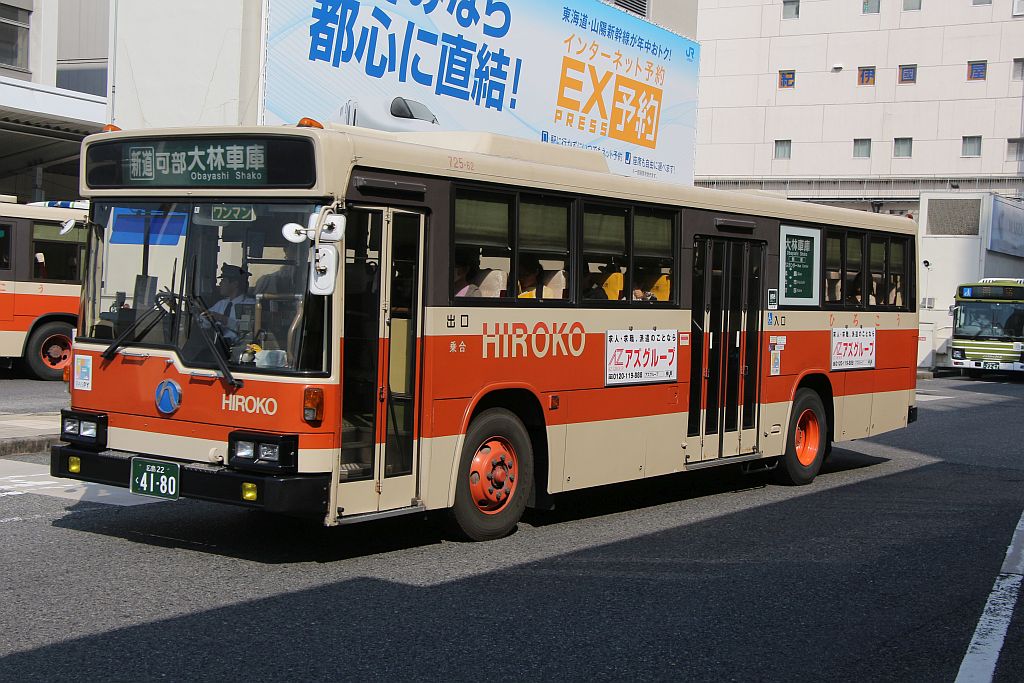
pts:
[994, 365]
[291, 494]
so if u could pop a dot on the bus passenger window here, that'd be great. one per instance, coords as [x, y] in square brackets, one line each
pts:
[652, 256]
[897, 271]
[56, 256]
[853, 273]
[879, 287]
[5, 247]
[603, 275]
[833, 268]
[543, 249]
[483, 244]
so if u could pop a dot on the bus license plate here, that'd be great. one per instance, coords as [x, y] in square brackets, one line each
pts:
[990, 366]
[155, 478]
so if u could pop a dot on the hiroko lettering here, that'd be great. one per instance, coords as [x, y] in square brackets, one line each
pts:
[252, 405]
[517, 340]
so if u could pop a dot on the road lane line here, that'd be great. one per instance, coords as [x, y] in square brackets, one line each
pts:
[979, 664]
[19, 478]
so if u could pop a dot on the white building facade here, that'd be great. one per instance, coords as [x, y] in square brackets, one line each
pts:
[863, 103]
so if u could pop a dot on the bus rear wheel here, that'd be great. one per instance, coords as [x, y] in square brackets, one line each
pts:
[495, 476]
[49, 350]
[806, 441]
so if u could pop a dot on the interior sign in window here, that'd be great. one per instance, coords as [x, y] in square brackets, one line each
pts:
[853, 348]
[640, 356]
[800, 266]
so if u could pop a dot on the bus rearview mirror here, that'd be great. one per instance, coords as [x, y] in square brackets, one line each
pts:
[294, 233]
[323, 270]
[67, 226]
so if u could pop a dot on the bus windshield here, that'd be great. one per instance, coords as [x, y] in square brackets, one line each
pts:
[183, 274]
[990, 320]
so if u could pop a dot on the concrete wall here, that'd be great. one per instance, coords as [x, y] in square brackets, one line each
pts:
[742, 110]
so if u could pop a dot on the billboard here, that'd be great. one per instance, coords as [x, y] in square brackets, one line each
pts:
[578, 73]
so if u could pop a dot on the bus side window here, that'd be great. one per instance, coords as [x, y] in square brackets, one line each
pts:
[56, 256]
[834, 268]
[853, 272]
[5, 245]
[603, 276]
[483, 244]
[543, 248]
[652, 256]
[877, 295]
[897, 271]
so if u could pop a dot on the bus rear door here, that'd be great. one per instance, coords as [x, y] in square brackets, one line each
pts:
[381, 349]
[725, 362]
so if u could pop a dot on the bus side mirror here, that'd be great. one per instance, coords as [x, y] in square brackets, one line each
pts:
[323, 270]
[67, 226]
[333, 229]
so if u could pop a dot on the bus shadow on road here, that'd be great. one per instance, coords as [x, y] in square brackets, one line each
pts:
[273, 539]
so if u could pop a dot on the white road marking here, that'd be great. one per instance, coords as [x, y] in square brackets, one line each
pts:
[931, 397]
[979, 664]
[18, 478]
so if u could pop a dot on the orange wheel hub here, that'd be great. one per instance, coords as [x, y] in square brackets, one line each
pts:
[493, 475]
[807, 438]
[56, 351]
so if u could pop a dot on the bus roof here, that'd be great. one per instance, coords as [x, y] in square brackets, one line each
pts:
[487, 157]
[40, 213]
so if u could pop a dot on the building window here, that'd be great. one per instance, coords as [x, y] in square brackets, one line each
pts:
[787, 79]
[783, 149]
[909, 5]
[14, 37]
[790, 9]
[1018, 8]
[908, 73]
[1018, 69]
[903, 148]
[976, 71]
[870, 7]
[866, 75]
[971, 146]
[862, 148]
[1015, 149]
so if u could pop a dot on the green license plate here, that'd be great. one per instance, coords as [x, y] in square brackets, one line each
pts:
[155, 478]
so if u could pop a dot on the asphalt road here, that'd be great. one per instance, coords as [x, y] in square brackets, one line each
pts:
[20, 393]
[878, 571]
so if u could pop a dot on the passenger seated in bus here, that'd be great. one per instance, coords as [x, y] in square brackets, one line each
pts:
[529, 277]
[612, 282]
[650, 284]
[855, 290]
[591, 287]
[491, 282]
[1015, 323]
[234, 290]
[467, 266]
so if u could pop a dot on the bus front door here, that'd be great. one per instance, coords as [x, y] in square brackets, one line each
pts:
[726, 348]
[381, 357]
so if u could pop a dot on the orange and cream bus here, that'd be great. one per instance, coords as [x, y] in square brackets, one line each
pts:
[351, 324]
[41, 269]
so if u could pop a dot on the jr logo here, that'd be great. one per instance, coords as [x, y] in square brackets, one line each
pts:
[253, 405]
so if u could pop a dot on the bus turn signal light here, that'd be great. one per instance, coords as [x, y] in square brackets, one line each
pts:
[313, 404]
[306, 122]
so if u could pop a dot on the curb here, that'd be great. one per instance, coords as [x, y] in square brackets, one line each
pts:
[30, 444]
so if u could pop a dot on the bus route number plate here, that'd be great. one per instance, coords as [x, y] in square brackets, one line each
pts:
[155, 478]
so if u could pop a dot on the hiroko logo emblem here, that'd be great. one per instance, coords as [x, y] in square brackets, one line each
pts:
[168, 396]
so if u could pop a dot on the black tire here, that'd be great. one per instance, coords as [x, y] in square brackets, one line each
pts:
[48, 350]
[792, 470]
[504, 430]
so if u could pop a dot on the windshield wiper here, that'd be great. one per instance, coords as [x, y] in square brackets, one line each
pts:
[159, 309]
[193, 303]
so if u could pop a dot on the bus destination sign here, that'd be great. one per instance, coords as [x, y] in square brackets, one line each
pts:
[201, 162]
[179, 163]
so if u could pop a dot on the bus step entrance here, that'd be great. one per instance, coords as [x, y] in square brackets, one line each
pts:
[760, 465]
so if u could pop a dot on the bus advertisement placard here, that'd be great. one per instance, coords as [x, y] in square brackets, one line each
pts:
[640, 356]
[853, 348]
[578, 73]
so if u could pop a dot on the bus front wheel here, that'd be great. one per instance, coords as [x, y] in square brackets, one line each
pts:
[49, 350]
[806, 441]
[495, 476]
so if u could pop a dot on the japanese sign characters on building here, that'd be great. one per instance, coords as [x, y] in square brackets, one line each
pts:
[577, 73]
[640, 356]
[853, 348]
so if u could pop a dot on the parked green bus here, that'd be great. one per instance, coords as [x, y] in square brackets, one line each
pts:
[988, 326]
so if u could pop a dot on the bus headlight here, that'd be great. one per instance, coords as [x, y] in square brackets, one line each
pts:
[957, 354]
[263, 452]
[84, 429]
